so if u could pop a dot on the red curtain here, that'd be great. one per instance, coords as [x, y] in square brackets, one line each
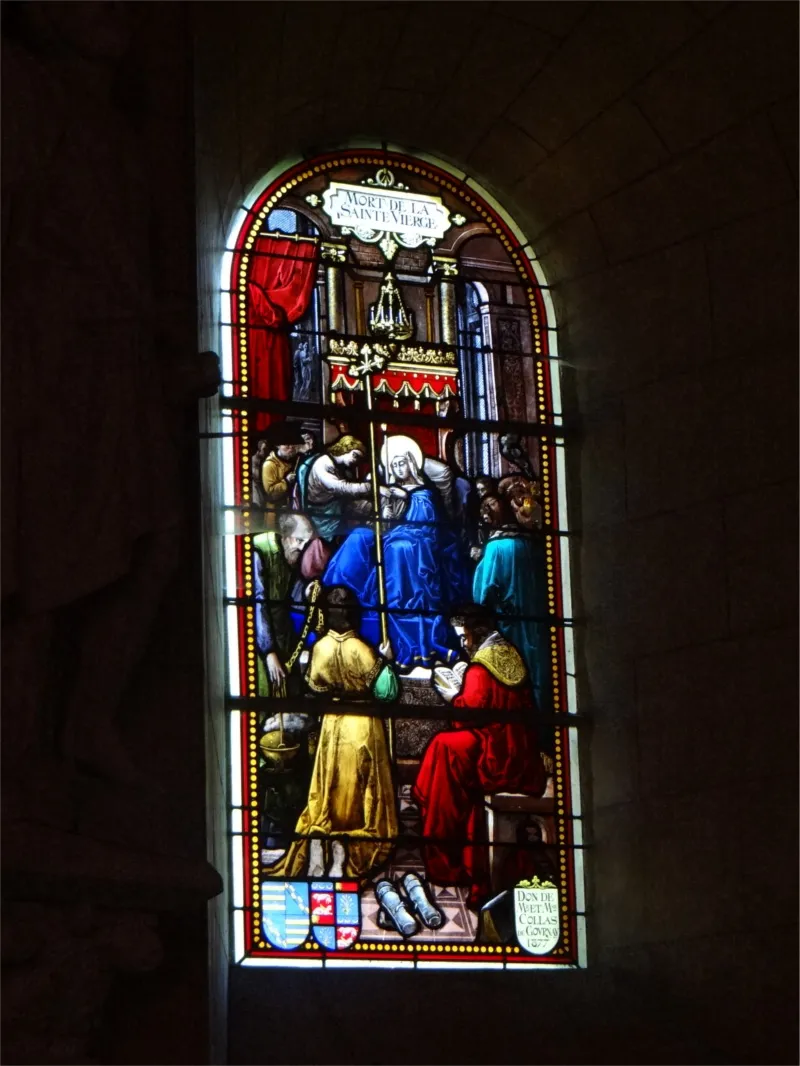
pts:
[425, 436]
[279, 292]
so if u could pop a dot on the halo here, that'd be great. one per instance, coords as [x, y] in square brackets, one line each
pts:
[400, 445]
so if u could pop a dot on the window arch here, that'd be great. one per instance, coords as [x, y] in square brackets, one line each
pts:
[404, 778]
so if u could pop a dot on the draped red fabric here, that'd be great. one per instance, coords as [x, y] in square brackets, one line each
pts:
[279, 292]
[460, 766]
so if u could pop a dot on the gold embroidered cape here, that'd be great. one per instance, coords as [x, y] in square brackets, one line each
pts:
[503, 662]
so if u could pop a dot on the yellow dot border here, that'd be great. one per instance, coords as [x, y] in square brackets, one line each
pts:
[473, 200]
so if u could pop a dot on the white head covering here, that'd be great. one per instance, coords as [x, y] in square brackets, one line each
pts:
[402, 447]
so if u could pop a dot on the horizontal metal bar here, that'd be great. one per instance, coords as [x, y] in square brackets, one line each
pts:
[317, 705]
[322, 336]
[341, 413]
[369, 518]
[399, 612]
[415, 841]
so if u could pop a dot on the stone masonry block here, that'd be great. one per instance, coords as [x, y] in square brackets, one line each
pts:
[214, 53]
[740, 63]
[371, 35]
[217, 129]
[658, 583]
[760, 517]
[637, 322]
[725, 179]
[607, 690]
[721, 969]
[300, 128]
[429, 60]
[611, 151]
[717, 715]
[607, 676]
[256, 37]
[315, 24]
[602, 467]
[617, 876]
[670, 442]
[707, 851]
[552, 16]
[506, 154]
[450, 140]
[784, 119]
[404, 106]
[504, 57]
[757, 424]
[614, 763]
[708, 9]
[570, 248]
[602, 557]
[761, 535]
[729, 427]
[611, 49]
[753, 275]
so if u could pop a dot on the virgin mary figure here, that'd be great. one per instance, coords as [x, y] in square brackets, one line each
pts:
[424, 574]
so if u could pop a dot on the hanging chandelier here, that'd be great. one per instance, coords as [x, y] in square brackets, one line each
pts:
[388, 317]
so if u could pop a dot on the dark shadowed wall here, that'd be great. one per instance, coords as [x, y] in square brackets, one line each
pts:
[649, 151]
[105, 882]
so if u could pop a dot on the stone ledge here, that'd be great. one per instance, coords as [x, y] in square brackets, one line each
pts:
[50, 865]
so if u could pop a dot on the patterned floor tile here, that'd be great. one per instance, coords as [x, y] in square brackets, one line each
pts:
[460, 923]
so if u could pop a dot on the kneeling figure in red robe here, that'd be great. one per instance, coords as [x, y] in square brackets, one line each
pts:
[463, 764]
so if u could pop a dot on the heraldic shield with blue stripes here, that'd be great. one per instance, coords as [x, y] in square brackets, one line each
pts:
[285, 913]
[335, 914]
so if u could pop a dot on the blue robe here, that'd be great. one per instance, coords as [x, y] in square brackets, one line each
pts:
[423, 572]
[510, 579]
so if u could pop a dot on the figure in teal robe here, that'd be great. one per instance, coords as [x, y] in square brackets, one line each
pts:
[510, 578]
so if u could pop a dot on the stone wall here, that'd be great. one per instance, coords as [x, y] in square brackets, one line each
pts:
[649, 151]
[105, 878]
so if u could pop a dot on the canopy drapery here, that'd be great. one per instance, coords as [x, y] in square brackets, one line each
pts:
[279, 292]
[400, 382]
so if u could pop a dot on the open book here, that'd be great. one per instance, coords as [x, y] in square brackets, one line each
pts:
[449, 681]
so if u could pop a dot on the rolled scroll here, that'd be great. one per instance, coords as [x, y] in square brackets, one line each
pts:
[389, 899]
[430, 915]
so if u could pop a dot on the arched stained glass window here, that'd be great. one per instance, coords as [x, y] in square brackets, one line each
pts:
[404, 779]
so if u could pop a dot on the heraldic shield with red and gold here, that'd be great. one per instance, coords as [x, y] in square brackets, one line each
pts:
[335, 913]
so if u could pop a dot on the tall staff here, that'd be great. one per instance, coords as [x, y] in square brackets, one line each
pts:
[364, 370]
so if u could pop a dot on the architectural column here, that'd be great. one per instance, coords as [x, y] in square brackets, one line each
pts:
[430, 327]
[333, 255]
[446, 267]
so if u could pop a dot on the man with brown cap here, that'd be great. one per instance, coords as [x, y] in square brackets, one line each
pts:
[277, 473]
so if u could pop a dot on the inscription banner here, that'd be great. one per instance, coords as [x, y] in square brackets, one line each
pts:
[536, 916]
[414, 216]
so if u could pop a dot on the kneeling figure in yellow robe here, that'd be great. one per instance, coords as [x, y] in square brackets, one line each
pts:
[351, 789]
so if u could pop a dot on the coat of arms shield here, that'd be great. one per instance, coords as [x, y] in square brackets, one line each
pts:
[335, 914]
[285, 916]
[536, 916]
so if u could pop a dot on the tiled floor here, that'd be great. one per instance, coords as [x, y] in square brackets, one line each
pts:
[460, 924]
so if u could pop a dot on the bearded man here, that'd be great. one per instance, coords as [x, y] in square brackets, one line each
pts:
[284, 563]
